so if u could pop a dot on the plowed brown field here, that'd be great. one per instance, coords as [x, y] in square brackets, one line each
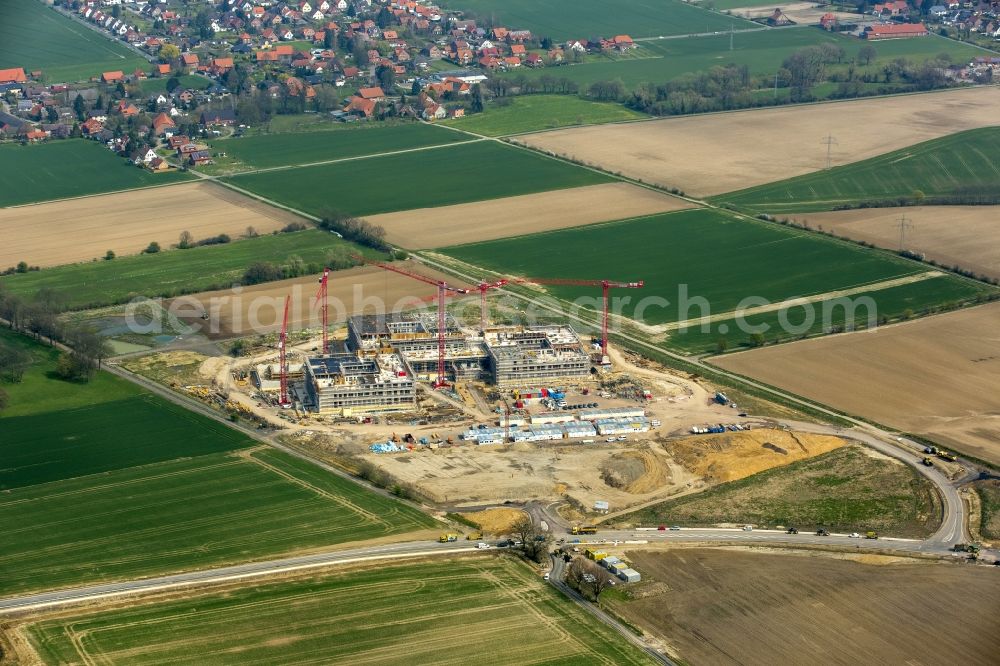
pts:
[966, 236]
[722, 152]
[66, 232]
[938, 377]
[715, 606]
[258, 309]
[514, 216]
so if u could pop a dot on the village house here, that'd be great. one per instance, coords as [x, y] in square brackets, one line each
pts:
[113, 77]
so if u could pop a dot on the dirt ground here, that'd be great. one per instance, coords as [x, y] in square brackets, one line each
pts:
[735, 455]
[729, 606]
[966, 236]
[258, 309]
[748, 148]
[65, 232]
[938, 376]
[803, 13]
[477, 474]
[496, 521]
[426, 228]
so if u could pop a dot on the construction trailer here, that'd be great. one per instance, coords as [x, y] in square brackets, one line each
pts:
[629, 575]
[621, 426]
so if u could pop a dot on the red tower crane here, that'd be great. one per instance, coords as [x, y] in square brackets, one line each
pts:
[483, 311]
[605, 285]
[283, 358]
[442, 288]
[321, 298]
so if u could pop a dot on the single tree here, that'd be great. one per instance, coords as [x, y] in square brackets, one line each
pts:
[186, 240]
[152, 248]
[80, 108]
[109, 255]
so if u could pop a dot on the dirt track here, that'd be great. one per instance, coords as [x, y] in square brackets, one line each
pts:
[258, 309]
[715, 153]
[938, 376]
[65, 232]
[966, 236]
[715, 606]
[426, 228]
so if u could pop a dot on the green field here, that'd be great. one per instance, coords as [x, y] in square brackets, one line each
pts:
[449, 175]
[271, 150]
[945, 167]
[709, 253]
[34, 36]
[121, 484]
[762, 52]
[433, 612]
[845, 490]
[530, 113]
[174, 272]
[892, 303]
[582, 19]
[69, 168]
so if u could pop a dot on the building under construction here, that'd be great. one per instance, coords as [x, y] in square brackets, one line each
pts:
[348, 383]
[502, 355]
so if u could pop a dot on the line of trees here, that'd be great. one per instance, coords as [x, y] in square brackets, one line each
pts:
[39, 318]
[732, 86]
[355, 229]
[336, 258]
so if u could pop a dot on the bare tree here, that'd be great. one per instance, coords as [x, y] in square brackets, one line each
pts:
[600, 579]
[186, 240]
[534, 542]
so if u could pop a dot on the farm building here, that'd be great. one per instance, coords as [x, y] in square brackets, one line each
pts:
[347, 383]
[894, 31]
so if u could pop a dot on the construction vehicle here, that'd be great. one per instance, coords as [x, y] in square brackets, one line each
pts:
[927, 461]
[944, 455]
[792, 530]
[931, 449]
[822, 531]
[446, 538]
[871, 535]
[584, 529]
[475, 536]
[966, 548]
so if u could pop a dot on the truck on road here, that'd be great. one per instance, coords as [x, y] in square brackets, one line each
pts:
[584, 529]
[446, 538]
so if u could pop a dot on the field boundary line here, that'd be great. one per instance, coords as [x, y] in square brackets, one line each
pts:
[101, 194]
[792, 302]
[304, 165]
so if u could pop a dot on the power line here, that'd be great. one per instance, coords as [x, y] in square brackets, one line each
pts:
[903, 223]
[830, 142]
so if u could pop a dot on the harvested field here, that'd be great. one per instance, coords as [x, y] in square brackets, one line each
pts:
[732, 456]
[515, 216]
[800, 12]
[965, 236]
[258, 309]
[708, 603]
[760, 146]
[498, 521]
[65, 232]
[938, 377]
